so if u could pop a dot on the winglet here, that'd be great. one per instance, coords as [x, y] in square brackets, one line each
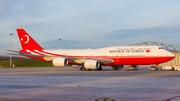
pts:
[27, 42]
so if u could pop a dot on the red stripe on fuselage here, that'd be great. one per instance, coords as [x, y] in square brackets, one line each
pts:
[36, 52]
[38, 58]
[52, 53]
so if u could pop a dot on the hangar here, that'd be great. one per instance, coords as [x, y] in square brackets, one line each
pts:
[172, 48]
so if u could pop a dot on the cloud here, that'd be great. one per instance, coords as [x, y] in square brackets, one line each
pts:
[121, 37]
[93, 23]
[162, 34]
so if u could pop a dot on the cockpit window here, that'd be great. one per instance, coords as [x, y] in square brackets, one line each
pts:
[161, 48]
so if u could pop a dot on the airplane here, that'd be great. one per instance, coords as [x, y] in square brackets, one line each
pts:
[90, 59]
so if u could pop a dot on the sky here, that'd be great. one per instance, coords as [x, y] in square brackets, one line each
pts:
[92, 24]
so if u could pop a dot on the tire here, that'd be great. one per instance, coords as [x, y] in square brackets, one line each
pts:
[155, 69]
[81, 69]
[115, 67]
[84, 69]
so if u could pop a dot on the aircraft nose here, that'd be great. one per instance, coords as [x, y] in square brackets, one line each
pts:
[172, 55]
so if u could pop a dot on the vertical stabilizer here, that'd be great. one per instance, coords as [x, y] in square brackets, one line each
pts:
[27, 42]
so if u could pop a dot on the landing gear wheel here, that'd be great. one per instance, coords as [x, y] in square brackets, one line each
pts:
[83, 69]
[115, 67]
[155, 69]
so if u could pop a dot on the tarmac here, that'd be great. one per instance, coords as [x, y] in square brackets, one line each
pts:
[71, 84]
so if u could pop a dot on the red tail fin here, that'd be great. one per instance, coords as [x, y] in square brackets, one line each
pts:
[27, 42]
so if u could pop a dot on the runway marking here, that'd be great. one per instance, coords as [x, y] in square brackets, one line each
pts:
[169, 99]
[80, 86]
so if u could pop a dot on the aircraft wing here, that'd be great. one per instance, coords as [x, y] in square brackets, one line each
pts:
[22, 53]
[26, 54]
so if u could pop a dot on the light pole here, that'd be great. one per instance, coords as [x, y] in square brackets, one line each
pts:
[59, 44]
[10, 50]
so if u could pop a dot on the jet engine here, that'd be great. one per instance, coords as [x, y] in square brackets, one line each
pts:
[91, 64]
[57, 62]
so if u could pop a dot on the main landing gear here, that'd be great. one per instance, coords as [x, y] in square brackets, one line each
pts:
[117, 67]
[84, 69]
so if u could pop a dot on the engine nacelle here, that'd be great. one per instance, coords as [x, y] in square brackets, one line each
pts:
[91, 64]
[57, 62]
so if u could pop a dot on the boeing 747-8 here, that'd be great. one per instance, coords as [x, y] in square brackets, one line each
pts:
[90, 59]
